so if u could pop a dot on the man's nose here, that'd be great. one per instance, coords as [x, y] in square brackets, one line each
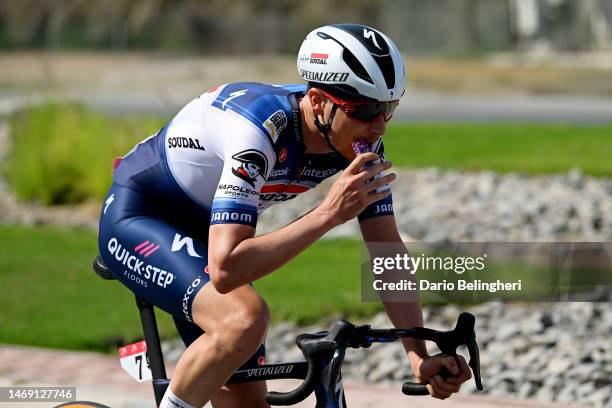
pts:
[378, 125]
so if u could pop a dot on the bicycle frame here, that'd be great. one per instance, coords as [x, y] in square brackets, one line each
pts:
[329, 394]
[324, 353]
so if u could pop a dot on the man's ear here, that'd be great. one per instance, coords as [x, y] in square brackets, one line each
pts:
[317, 101]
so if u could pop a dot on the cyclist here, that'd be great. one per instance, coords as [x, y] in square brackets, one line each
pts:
[178, 224]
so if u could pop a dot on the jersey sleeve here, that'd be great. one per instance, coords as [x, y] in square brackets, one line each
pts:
[380, 207]
[248, 158]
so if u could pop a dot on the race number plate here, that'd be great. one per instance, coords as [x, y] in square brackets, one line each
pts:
[135, 362]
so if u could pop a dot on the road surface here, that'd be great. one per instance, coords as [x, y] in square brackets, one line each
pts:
[99, 378]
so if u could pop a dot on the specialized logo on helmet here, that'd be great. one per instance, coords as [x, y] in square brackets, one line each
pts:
[324, 76]
[251, 164]
[371, 35]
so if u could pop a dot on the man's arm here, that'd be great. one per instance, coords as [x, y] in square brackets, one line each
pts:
[402, 314]
[236, 257]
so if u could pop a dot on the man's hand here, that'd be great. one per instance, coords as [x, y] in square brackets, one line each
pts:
[353, 191]
[438, 386]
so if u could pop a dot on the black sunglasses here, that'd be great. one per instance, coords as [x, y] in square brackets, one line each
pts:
[365, 111]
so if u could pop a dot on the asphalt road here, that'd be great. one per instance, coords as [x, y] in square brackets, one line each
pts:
[414, 107]
[417, 107]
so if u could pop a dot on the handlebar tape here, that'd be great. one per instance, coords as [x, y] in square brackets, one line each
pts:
[410, 388]
[297, 395]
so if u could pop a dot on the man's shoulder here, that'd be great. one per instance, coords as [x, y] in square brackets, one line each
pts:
[270, 107]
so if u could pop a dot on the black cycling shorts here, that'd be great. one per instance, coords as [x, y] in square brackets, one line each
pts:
[159, 253]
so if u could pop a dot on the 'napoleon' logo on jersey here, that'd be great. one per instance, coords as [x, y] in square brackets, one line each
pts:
[251, 164]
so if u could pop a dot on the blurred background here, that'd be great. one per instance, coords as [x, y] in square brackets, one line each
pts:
[504, 135]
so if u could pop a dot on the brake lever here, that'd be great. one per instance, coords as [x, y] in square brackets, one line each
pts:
[475, 362]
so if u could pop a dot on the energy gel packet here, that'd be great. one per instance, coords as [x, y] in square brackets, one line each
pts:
[361, 146]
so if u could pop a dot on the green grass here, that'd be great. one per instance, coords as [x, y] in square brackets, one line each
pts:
[63, 153]
[50, 296]
[525, 148]
[321, 282]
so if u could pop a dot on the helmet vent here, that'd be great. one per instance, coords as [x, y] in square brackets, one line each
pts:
[355, 66]
[386, 67]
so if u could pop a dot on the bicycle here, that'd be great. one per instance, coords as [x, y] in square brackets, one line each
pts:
[323, 352]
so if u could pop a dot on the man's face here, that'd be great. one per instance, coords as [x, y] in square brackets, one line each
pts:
[346, 130]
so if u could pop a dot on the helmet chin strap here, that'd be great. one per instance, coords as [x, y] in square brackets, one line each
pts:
[325, 128]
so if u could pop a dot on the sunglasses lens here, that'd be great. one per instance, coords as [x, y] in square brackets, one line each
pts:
[368, 112]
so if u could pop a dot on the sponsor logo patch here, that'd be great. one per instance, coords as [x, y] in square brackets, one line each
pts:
[324, 76]
[179, 242]
[282, 155]
[146, 248]
[223, 216]
[280, 172]
[277, 197]
[276, 123]
[187, 295]
[249, 165]
[277, 369]
[319, 174]
[236, 191]
[108, 202]
[137, 270]
[318, 58]
[372, 36]
[184, 143]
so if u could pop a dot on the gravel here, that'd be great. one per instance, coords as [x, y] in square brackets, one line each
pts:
[433, 205]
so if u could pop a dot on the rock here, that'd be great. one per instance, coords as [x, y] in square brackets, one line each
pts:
[558, 366]
[601, 397]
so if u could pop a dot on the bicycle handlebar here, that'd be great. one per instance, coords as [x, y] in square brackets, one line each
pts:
[311, 345]
[447, 342]
[321, 346]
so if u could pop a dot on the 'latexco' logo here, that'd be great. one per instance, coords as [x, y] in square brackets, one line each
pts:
[185, 143]
[142, 274]
[251, 164]
[316, 173]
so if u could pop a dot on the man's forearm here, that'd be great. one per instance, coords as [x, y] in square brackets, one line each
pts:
[382, 239]
[256, 257]
[408, 315]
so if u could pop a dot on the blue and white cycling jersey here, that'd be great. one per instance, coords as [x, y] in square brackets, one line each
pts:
[233, 152]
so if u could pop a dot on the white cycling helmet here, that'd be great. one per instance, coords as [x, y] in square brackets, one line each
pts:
[353, 61]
